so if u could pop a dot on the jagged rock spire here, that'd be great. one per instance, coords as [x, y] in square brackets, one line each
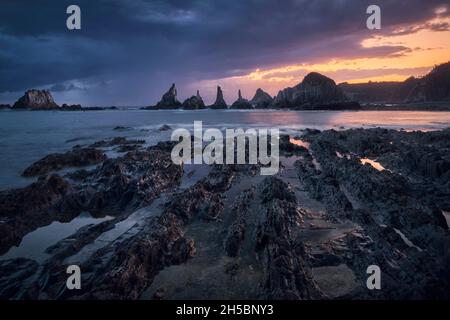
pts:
[241, 103]
[220, 101]
[169, 99]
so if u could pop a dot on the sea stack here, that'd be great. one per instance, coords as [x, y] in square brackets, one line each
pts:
[194, 102]
[261, 99]
[220, 101]
[315, 91]
[241, 103]
[36, 100]
[169, 99]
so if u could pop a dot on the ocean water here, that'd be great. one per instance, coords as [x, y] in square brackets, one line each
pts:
[27, 136]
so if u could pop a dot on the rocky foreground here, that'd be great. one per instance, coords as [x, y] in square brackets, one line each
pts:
[343, 200]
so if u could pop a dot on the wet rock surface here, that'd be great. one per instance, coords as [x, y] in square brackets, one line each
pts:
[77, 157]
[309, 232]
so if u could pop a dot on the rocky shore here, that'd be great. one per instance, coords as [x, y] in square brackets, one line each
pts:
[343, 200]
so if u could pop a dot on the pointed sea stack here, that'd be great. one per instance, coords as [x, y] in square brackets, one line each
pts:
[241, 103]
[168, 101]
[36, 100]
[194, 102]
[220, 101]
[261, 100]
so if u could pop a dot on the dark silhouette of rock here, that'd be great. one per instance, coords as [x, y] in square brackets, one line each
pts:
[77, 157]
[435, 86]
[194, 102]
[220, 101]
[241, 103]
[261, 99]
[36, 100]
[5, 106]
[315, 89]
[168, 101]
[71, 107]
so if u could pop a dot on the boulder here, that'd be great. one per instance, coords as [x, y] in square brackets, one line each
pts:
[36, 100]
[261, 99]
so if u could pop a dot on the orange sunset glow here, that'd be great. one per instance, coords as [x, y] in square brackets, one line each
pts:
[416, 50]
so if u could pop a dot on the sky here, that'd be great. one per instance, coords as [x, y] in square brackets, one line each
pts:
[128, 53]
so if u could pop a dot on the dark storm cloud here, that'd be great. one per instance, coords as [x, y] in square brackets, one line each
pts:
[138, 47]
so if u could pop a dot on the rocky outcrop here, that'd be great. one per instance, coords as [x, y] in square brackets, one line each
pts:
[36, 100]
[315, 89]
[194, 102]
[220, 101]
[77, 157]
[168, 101]
[5, 106]
[114, 187]
[261, 99]
[23, 210]
[435, 86]
[309, 232]
[241, 103]
[71, 107]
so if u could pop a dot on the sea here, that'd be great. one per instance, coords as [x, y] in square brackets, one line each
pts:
[27, 136]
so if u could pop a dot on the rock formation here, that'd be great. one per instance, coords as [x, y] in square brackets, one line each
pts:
[36, 100]
[169, 100]
[309, 232]
[194, 102]
[71, 107]
[241, 103]
[315, 89]
[5, 106]
[261, 99]
[220, 101]
[435, 86]
[77, 157]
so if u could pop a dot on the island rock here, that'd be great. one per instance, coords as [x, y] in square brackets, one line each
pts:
[241, 103]
[194, 102]
[220, 101]
[261, 99]
[36, 100]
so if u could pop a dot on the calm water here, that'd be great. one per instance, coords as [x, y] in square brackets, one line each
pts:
[27, 136]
